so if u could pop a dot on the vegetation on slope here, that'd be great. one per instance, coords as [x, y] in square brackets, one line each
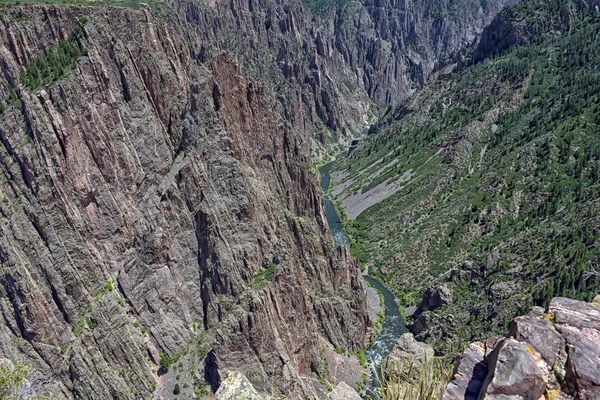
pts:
[504, 162]
[48, 69]
[13, 380]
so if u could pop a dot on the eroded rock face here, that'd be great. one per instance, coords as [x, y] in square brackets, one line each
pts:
[155, 203]
[326, 67]
[554, 354]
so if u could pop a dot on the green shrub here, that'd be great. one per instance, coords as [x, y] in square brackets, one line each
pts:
[263, 277]
[79, 327]
[176, 390]
[12, 377]
[165, 362]
[362, 358]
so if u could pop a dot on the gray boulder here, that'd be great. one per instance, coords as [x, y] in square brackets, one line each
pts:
[516, 369]
[343, 392]
[540, 335]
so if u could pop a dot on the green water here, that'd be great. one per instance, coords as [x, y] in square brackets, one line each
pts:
[393, 326]
[333, 219]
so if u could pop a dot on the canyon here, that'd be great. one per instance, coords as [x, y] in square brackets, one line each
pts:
[163, 233]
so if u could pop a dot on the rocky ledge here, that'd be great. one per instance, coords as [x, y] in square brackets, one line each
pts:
[548, 354]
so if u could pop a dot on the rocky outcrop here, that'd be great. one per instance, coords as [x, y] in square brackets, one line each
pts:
[155, 204]
[432, 300]
[515, 27]
[555, 354]
[409, 354]
[435, 298]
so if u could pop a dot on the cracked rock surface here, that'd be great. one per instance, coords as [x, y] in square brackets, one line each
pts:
[553, 354]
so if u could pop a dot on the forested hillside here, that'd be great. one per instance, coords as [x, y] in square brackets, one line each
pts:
[487, 181]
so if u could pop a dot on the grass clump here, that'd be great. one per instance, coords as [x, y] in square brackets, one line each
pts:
[263, 277]
[12, 379]
[423, 379]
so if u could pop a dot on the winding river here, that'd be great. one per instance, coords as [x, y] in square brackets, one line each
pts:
[333, 219]
[393, 326]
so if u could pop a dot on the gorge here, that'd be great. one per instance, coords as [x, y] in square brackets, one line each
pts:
[163, 233]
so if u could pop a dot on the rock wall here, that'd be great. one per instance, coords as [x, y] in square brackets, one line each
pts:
[552, 355]
[328, 69]
[152, 203]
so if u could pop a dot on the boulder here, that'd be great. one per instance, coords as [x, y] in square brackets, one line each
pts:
[343, 392]
[237, 387]
[516, 369]
[540, 335]
[408, 353]
[503, 290]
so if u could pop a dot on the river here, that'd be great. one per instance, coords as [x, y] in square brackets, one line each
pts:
[393, 326]
[333, 219]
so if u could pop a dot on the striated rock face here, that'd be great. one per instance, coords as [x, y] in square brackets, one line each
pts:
[151, 203]
[554, 354]
[326, 68]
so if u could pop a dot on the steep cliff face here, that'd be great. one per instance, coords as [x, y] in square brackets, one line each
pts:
[328, 68]
[152, 203]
